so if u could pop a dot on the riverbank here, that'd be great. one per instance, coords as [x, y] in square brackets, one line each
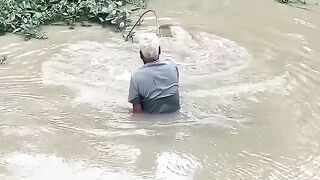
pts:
[25, 17]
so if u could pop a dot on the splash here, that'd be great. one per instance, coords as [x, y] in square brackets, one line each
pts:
[100, 73]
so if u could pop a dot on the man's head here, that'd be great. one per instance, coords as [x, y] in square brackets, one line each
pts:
[149, 47]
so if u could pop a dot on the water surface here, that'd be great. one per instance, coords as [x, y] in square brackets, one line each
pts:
[249, 86]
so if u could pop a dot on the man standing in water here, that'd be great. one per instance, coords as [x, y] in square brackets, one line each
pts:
[154, 87]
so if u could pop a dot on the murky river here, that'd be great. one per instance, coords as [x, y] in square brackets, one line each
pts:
[250, 88]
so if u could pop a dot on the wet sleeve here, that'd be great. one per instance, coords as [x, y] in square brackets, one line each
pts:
[174, 63]
[134, 96]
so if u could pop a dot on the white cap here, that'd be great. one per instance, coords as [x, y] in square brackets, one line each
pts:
[149, 45]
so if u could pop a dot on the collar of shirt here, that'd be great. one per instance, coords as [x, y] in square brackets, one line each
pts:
[150, 63]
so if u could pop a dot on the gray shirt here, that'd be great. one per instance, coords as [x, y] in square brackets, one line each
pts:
[155, 87]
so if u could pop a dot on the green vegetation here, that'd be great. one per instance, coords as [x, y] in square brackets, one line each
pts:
[292, 1]
[25, 16]
[301, 4]
[295, 1]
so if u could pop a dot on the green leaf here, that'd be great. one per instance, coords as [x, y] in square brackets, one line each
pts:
[114, 21]
[19, 15]
[38, 15]
[16, 30]
[121, 24]
[119, 3]
[105, 10]
[43, 8]
[109, 17]
[82, 4]
[26, 5]
[12, 16]
[71, 10]
[101, 19]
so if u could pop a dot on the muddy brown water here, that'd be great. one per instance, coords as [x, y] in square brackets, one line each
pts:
[249, 87]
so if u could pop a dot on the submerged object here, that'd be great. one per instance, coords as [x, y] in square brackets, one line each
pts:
[161, 31]
[3, 59]
[165, 30]
[139, 21]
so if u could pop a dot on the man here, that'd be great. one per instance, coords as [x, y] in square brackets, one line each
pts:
[154, 87]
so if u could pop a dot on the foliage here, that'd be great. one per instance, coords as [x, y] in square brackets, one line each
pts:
[297, 3]
[25, 16]
[293, 1]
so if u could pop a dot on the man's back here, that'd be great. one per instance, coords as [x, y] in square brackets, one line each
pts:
[155, 87]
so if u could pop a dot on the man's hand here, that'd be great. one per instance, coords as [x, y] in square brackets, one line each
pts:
[137, 108]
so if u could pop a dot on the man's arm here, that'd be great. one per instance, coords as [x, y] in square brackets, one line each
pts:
[174, 63]
[137, 108]
[134, 96]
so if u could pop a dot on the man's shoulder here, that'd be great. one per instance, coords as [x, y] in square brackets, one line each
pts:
[137, 74]
[169, 60]
[144, 69]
